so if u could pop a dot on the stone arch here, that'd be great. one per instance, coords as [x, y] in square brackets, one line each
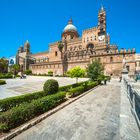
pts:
[90, 46]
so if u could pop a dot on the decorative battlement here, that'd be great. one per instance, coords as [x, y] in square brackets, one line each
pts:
[89, 29]
[123, 50]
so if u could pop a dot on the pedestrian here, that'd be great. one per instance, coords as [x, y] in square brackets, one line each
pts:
[120, 78]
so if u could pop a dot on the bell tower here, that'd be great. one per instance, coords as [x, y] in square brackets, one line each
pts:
[27, 47]
[102, 21]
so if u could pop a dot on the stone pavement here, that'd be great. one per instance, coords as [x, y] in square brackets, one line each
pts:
[92, 117]
[19, 86]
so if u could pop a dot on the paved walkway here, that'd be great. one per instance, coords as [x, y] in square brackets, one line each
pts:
[19, 86]
[92, 117]
[128, 126]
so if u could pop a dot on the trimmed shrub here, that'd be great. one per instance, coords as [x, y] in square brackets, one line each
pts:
[79, 84]
[28, 72]
[2, 82]
[91, 85]
[6, 76]
[65, 88]
[8, 103]
[20, 114]
[76, 91]
[51, 86]
[50, 73]
[83, 86]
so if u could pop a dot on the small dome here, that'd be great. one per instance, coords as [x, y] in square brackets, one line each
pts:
[70, 27]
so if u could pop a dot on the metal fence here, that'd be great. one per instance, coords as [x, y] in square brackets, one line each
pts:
[134, 97]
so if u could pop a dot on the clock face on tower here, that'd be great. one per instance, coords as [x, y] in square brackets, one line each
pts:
[101, 38]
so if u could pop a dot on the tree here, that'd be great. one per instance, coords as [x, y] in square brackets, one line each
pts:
[60, 46]
[95, 70]
[14, 68]
[76, 72]
[3, 65]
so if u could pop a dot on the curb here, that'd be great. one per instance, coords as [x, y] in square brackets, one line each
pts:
[43, 116]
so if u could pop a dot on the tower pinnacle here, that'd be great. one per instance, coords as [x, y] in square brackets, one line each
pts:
[70, 21]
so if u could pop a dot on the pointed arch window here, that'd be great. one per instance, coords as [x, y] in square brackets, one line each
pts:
[111, 59]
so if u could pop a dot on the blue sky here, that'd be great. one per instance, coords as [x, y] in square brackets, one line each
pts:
[42, 22]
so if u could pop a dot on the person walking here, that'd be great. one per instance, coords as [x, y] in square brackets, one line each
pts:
[120, 78]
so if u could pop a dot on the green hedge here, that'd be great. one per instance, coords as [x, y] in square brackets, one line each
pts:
[2, 82]
[8, 103]
[82, 88]
[21, 114]
[66, 88]
[19, 109]
[92, 84]
[76, 91]
[6, 76]
[28, 72]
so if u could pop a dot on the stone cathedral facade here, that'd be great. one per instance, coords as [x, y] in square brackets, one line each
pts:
[73, 50]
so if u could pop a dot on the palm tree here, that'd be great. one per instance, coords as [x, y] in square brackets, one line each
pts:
[14, 69]
[60, 47]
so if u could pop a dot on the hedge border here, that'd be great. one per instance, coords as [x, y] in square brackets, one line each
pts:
[26, 111]
[2, 82]
[8, 103]
[43, 116]
[6, 76]
[21, 114]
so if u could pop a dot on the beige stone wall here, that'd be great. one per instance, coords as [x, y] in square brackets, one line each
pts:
[112, 62]
[41, 57]
[54, 53]
[56, 68]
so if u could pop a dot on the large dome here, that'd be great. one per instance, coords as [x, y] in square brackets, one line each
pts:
[70, 27]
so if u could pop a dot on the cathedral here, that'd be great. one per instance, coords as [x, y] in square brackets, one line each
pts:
[75, 50]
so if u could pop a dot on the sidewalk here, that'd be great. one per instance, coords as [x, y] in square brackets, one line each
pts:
[128, 127]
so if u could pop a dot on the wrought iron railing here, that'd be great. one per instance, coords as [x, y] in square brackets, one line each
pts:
[134, 98]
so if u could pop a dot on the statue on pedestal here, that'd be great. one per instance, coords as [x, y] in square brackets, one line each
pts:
[124, 70]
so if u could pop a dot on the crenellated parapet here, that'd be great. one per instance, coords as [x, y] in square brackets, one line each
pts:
[90, 30]
[122, 50]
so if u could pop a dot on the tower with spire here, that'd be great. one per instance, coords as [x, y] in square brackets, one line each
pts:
[102, 20]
